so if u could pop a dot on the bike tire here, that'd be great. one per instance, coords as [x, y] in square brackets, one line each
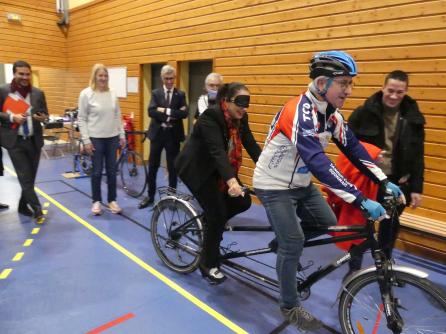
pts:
[133, 173]
[86, 164]
[178, 248]
[421, 305]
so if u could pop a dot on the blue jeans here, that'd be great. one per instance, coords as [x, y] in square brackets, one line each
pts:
[288, 210]
[104, 148]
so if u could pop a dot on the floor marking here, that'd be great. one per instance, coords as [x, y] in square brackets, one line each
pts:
[28, 242]
[46, 204]
[45, 212]
[197, 302]
[35, 230]
[41, 220]
[10, 171]
[378, 319]
[5, 273]
[18, 256]
[111, 324]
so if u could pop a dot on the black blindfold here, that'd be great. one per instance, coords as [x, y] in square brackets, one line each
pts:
[241, 101]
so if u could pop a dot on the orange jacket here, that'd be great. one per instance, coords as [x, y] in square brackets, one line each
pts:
[349, 214]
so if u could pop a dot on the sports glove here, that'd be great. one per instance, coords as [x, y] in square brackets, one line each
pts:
[373, 209]
[395, 191]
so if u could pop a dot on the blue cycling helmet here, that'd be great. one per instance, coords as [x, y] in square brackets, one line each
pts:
[332, 64]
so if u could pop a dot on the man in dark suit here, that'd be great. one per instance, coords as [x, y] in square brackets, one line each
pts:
[2, 206]
[22, 134]
[167, 110]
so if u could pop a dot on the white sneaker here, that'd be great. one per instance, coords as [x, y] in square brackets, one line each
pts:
[96, 208]
[114, 207]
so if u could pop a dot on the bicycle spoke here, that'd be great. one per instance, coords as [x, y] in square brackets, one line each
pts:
[418, 306]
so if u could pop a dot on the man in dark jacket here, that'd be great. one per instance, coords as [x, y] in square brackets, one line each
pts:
[22, 132]
[391, 120]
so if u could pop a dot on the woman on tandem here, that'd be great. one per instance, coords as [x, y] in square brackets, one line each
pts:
[209, 164]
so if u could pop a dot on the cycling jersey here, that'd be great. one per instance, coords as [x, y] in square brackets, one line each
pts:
[294, 150]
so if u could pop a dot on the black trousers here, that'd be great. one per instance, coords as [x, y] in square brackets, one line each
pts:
[1, 161]
[25, 156]
[164, 140]
[218, 209]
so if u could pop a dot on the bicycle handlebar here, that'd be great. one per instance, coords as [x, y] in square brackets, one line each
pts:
[135, 132]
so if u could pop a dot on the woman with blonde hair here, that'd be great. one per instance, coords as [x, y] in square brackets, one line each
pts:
[102, 133]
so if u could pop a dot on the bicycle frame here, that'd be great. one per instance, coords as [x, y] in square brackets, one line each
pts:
[126, 148]
[359, 232]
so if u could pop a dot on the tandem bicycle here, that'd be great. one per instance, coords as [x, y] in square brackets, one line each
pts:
[382, 298]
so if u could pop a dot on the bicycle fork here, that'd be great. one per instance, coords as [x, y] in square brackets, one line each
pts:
[389, 303]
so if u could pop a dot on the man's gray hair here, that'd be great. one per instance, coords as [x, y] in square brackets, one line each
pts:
[213, 75]
[167, 69]
[313, 84]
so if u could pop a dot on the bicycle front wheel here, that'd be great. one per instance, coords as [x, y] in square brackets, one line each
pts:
[177, 235]
[133, 174]
[421, 305]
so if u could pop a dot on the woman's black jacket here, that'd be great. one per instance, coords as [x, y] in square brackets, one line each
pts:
[205, 153]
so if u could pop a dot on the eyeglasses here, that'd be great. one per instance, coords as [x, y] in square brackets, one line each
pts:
[169, 78]
[344, 84]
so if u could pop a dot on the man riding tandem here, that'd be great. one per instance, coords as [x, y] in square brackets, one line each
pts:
[293, 153]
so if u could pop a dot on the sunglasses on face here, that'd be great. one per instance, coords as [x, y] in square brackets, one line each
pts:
[241, 101]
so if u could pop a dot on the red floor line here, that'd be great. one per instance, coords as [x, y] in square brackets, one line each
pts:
[111, 324]
[378, 319]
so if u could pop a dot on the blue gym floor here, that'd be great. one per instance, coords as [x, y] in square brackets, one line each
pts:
[77, 273]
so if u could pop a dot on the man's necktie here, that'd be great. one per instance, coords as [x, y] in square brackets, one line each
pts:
[25, 128]
[168, 99]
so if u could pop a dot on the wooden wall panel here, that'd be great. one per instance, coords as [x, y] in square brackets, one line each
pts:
[39, 41]
[267, 44]
[264, 43]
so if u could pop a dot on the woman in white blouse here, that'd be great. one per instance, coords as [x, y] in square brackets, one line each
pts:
[102, 133]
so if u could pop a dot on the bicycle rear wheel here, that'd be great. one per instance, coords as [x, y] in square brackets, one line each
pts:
[421, 305]
[133, 174]
[177, 234]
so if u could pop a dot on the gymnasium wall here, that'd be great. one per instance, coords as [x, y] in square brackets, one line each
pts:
[264, 43]
[38, 40]
[267, 45]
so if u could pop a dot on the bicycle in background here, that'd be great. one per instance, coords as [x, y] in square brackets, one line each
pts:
[131, 167]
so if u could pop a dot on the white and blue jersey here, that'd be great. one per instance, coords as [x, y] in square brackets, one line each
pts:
[294, 150]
